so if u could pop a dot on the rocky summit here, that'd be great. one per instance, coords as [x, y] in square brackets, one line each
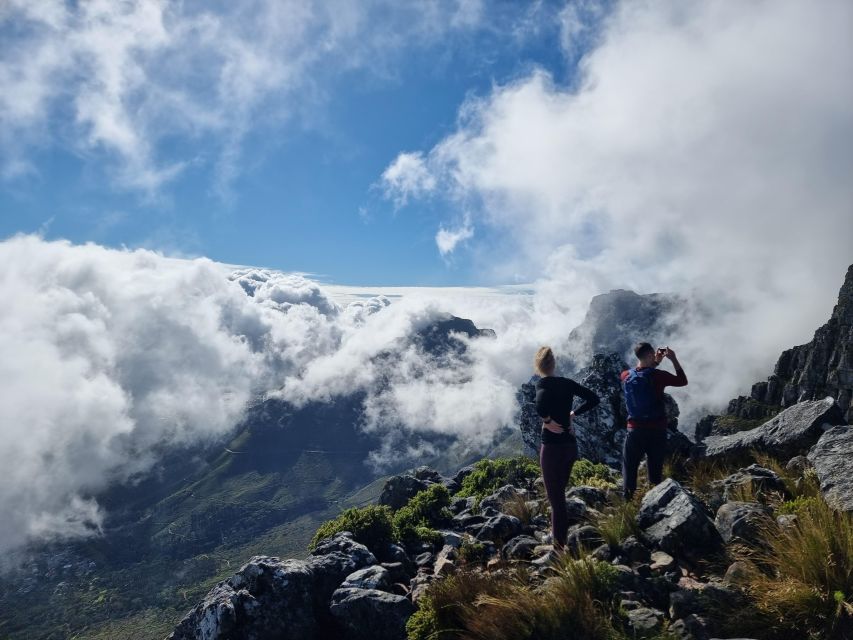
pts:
[677, 562]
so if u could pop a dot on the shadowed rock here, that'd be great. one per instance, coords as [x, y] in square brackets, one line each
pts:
[793, 430]
[672, 520]
[832, 458]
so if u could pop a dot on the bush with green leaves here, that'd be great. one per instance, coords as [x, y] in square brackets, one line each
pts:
[371, 526]
[593, 474]
[472, 552]
[425, 510]
[490, 475]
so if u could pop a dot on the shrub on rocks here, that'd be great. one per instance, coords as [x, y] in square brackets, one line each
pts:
[416, 520]
[592, 474]
[490, 475]
[370, 525]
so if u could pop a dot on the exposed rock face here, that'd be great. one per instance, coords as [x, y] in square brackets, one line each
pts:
[273, 599]
[399, 489]
[753, 479]
[267, 598]
[832, 458]
[793, 430]
[742, 520]
[823, 367]
[673, 520]
[617, 320]
[369, 614]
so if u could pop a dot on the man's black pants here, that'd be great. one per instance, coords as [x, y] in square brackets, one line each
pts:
[639, 442]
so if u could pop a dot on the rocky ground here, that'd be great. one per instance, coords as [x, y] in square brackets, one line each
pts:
[682, 561]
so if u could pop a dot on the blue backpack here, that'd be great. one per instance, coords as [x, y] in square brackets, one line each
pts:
[640, 397]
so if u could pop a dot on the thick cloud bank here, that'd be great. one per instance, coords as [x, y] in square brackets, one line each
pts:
[109, 356]
[704, 148]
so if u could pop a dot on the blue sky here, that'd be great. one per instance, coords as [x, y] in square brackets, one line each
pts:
[305, 194]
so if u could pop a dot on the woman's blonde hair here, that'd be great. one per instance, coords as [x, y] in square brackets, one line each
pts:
[544, 362]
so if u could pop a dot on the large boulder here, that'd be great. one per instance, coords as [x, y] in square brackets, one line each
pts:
[795, 429]
[398, 490]
[369, 614]
[832, 458]
[742, 521]
[673, 520]
[267, 598]
[499, 527]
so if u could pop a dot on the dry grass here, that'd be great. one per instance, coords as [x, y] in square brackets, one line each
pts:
[619, 521]
[574, 602]
[517, 506]
[802, 583]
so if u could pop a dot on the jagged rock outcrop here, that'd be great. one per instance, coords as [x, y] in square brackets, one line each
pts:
[832, 458]
[274, 599]
[823, 367]
[673, 520]
[792, 431]
[616, 320]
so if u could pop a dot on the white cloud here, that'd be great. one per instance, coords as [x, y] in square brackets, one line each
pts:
[119, 82]
[407, 177]
[110, 357]
[704, 149]
[448, 239]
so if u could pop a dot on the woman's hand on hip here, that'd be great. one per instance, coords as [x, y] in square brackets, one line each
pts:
[553, 427]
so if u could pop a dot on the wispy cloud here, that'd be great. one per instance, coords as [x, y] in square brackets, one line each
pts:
[149, 86]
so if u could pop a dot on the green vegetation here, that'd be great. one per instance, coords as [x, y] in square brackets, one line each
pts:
[427, 509]
[592, 474]
[472, 552]
[370, 525]
[490, 475]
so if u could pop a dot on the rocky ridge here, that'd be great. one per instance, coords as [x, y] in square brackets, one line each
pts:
[820, 368]
[346, 590]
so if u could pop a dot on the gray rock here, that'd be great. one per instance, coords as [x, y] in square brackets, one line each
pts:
[576, 510]
[345, 544]
[398, 490]
[499, 527]
[832, 458]
[797, 464]
[586, 537]
[793, 430]
[753, 479]
[662, 562]
[369, 614]
[690, 627]
[428, 475]
[634, 550]
[645, 620]
[519, 548]
[742, 521]
[424, 559]
[375, 577]
[267, 598]
[498, 498]
[593, 496]
[672, 520]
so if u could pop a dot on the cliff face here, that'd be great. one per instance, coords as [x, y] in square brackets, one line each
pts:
[823, 367]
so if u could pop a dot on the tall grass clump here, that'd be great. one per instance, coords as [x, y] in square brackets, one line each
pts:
[371, 526]
[574, 602]
[619, 522]
[802, 583]
[490, 475]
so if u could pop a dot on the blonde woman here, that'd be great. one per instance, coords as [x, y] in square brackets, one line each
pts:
[555, 396]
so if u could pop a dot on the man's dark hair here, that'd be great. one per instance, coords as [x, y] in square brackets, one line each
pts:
[643, 349]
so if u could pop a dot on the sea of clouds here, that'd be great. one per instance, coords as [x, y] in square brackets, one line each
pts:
[704, 149]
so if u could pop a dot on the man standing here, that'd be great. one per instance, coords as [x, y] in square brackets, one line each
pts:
[644, 386]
